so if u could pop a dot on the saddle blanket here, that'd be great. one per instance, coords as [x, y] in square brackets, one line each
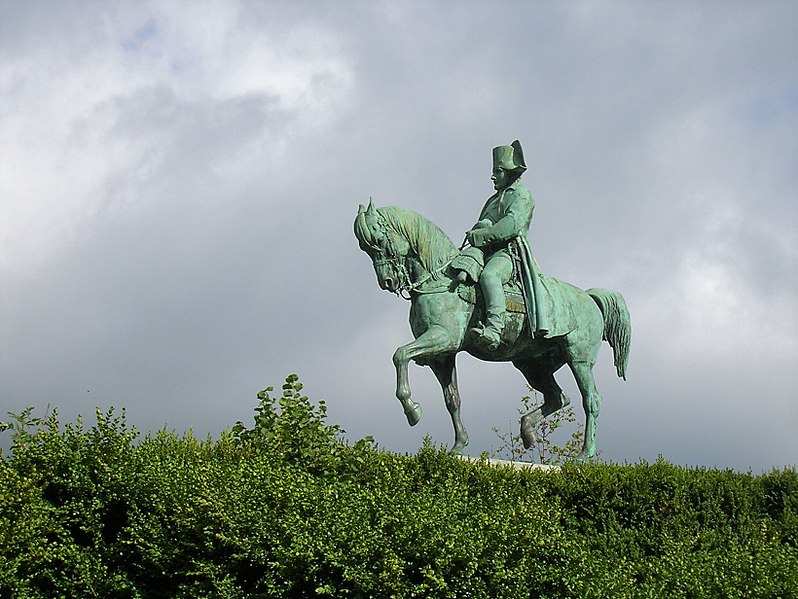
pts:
[557, 298]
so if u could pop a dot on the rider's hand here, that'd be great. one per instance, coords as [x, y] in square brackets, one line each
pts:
[476, 237]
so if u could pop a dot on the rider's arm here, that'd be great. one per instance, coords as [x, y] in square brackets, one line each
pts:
[516, 218]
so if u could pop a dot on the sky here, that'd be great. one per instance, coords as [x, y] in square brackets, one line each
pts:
[178, 182]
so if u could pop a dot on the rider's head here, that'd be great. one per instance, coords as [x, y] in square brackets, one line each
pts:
[508, 164]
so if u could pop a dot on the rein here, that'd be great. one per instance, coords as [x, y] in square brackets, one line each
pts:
[399, 266]
[406, 286]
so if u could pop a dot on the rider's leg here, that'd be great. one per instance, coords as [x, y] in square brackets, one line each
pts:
[497, 271]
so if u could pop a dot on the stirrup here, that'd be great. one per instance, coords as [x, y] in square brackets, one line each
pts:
[488, 337]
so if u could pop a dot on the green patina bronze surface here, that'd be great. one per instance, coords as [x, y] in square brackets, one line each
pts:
[491, 300]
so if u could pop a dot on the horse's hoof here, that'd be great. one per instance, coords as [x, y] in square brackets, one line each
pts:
[459, 446]
[528, 434]
[413, 413]
[582, 457]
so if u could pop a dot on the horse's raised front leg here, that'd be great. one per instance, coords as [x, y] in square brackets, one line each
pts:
[435, 340]
[591, 401]
[446, 373]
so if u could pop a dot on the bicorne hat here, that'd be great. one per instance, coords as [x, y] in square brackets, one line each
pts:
[510, 158]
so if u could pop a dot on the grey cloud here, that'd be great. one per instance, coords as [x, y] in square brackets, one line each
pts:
[222, 256]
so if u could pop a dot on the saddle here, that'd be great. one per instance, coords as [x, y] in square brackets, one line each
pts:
[514, 299]
[472, 261]
[556, 295]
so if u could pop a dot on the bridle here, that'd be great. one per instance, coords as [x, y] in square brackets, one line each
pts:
[398, 264]
[390, 255]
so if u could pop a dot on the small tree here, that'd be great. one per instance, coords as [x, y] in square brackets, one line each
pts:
[543, 450]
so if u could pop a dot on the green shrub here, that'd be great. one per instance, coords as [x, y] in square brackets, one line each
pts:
[543, 449]
[66, 497]
[288, 508]
[291, 427]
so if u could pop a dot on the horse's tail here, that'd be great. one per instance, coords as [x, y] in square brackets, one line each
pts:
[617, 325]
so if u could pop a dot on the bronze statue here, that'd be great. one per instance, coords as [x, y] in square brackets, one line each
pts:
[500, 237]
[540, 325]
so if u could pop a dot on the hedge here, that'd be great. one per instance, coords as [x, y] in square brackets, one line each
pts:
[287, 508]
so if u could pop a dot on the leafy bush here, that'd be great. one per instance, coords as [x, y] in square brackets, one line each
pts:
[543, 449]
[287, 508]
[295, 429]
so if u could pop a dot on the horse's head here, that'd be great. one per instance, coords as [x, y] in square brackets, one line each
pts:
[386, 247]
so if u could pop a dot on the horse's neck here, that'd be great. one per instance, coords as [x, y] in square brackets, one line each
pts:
[416, 270]
[430, 247]
[423, 281]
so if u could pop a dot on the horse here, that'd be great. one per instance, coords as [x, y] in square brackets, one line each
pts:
[412, 257]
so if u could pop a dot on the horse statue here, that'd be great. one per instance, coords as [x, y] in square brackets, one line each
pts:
[412, 258]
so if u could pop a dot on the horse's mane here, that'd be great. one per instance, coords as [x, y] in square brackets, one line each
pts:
[432, 246]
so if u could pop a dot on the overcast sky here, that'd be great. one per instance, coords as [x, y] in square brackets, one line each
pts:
[178, 182]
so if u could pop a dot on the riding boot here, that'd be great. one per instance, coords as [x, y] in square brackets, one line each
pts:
[495, 309]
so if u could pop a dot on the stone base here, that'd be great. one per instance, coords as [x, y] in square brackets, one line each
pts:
[511, 464]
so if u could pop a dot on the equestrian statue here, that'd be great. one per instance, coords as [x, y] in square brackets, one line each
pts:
[490, 299]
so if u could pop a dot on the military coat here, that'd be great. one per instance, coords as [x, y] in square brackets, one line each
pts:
[509, 212]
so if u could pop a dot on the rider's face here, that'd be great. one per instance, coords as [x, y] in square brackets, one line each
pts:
[499, 178]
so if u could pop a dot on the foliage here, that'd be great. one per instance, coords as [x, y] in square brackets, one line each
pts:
[293, 428]
[544, 450]
[287, 508]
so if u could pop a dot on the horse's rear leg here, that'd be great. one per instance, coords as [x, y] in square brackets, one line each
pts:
[591, 401]
[540, 377]
[446, 373]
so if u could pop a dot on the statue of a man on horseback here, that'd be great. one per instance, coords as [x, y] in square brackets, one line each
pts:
[556, 324]
[498, 241]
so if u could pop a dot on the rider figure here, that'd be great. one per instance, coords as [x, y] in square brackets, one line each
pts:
[505, 217]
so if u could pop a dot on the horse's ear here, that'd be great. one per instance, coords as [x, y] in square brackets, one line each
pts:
[370, 210]
[361, 209]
